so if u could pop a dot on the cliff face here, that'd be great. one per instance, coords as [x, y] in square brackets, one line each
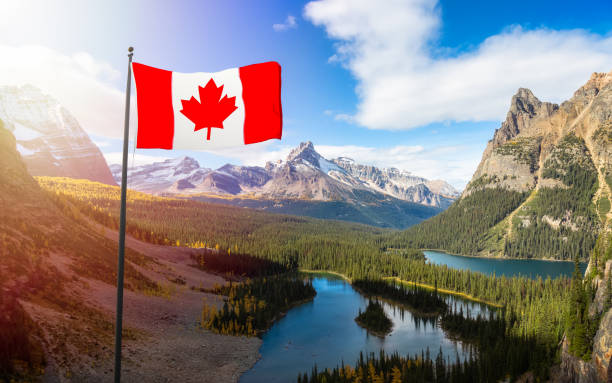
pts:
[512, 158]
[602, 347]
[532, 128]
[602, 343]
[576, 370]
[541, 148]
[49, 139]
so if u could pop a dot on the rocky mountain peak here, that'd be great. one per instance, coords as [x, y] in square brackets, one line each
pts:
[595, 84]
[524, 101]
[184, 165]
[50, 140]
[525, 109]
[306, 153]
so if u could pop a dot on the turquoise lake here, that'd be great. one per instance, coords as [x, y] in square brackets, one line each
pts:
[532, 268]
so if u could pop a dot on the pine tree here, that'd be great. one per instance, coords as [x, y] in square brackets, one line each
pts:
[578, 314]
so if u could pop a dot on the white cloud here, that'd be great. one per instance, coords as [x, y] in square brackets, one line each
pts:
[79, 82]
[290, 23]
[454, 164]
[404, 81]
[133, 160]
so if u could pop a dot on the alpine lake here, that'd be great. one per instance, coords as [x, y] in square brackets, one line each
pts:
[324, 332]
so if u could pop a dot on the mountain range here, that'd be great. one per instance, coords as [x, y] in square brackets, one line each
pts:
[305, 174]
[305, 183]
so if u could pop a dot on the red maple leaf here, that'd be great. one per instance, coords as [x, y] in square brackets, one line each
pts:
[212, 110]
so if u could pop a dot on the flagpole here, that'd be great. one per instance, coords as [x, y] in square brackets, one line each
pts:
[121, 255]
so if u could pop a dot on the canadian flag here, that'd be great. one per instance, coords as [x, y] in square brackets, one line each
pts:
[203, 111]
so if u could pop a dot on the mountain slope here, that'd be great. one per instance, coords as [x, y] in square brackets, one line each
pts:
[542, 187]
[386, 212]
[57, 293]
[49, 138]
[397, 183]
[48, 258]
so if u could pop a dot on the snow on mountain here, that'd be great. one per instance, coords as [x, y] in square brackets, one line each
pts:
[304, 174]
[160, 176]
[400, 183]
[49, 138]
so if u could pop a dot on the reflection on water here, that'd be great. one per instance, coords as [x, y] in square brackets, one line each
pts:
[324, 332]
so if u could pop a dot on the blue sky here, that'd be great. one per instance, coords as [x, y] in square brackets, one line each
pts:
[416, 84]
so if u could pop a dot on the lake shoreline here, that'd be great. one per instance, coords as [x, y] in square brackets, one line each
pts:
[398, 303]
[500, 257]
[423, 285]
[310, 271]
[445, 291]
[503, 267]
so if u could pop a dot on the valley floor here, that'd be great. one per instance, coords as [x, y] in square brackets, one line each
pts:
[168, 345]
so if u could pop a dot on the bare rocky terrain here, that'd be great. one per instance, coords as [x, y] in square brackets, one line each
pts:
[166, 343]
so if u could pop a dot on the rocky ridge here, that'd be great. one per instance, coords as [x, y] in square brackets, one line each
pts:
[536, 151]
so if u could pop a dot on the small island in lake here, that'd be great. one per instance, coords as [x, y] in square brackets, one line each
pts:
[418, 300]
[374, 319]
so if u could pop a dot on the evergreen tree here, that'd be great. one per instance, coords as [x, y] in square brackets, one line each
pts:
[578, 315]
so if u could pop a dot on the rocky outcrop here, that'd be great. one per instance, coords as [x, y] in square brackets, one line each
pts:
[597, 369]
[576, 370]
[602, 347]
[532, 129]
[49, 139]
[526, 110]
[511, 161]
